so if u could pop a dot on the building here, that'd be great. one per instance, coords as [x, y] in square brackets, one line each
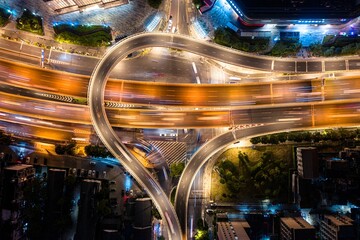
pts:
[232, 230]
[110, 228]
[337, 228]
[55, 189]
[142, 218]
[15, 178]
[88, 214]
[295, 11]
[296, 228]
[307, 162]
[67, 6]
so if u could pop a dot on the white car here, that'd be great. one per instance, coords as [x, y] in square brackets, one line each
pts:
[210, 211]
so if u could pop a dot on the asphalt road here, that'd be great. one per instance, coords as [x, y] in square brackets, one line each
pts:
[115, 146]
[325, 116]
[113, 143]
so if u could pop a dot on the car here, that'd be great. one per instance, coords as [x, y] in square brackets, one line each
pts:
[213, 205]
[210, 211]
[112, 182]
[92, 163]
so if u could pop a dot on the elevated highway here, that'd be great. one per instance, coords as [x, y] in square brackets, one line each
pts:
[103, 128]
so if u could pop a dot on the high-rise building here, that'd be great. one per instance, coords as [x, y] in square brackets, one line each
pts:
[88, 214]
[55, 186]
[142, 218]
[337, 228]
[307, 162]
[296, 228]
[15, 178]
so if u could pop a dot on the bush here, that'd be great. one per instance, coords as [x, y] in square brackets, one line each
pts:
[66, 149]
[30, 23]
[94, 36]
[285, 49]
[97, 151]
[229, 38]
[339, 134]
[176, 169]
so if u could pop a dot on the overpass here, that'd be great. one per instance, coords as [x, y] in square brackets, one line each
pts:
[112, 142]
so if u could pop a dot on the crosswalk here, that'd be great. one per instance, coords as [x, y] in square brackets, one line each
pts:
[173, 152]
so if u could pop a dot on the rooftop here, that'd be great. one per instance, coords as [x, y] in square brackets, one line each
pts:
[296, 223]
[299, 9]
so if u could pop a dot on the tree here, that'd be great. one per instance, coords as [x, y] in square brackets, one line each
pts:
[255, 140]
[154, 3]
[176, 169]
[5, 139]
[197, 3]
[155, 213]
[59, 149]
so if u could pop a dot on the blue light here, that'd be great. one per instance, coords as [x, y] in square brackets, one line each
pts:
[128, 182]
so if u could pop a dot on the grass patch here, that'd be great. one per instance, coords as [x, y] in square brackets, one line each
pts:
[92, 36]
[229, 38]
[30, 23]
[80, 100]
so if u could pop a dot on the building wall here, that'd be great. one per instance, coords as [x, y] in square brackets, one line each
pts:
[307, 162]
[337, 227]
[296, 229]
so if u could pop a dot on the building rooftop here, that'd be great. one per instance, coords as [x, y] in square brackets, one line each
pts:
[296, 223]
[18, 167]
[233, 230]
[299, 9]
[340, 220]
